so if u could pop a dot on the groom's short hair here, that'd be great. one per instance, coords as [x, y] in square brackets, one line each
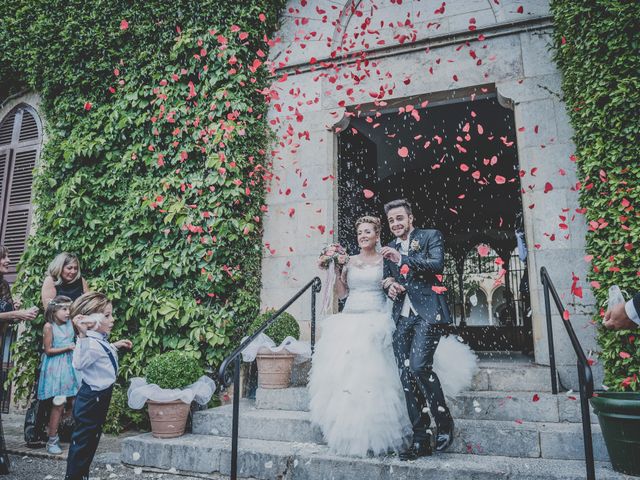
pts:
[401, 202]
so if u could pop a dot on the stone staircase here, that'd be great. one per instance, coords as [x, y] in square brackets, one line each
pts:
[508, 426]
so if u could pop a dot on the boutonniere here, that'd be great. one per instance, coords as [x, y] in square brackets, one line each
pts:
[415, 245]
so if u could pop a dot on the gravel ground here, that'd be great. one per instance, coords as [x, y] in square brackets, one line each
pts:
[30, 468]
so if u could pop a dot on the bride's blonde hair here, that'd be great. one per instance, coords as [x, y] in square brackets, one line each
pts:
[375, 221]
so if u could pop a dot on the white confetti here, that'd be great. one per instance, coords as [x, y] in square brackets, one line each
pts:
[295, 463]
[269, 464]
[136, 456]
[109, 468]
[137, 471]
[406, 362]
[441, 409]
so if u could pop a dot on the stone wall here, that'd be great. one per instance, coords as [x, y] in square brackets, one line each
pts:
[430, 54]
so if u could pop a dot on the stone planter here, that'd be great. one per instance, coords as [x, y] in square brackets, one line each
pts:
[619, 418]
[168, 419]
[274, 369]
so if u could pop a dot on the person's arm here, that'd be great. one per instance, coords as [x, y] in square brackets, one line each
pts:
[47, 342]
[430, 259]
[632, 308]
[19, 315]
[83, 355]
[342, 287]
[48, 291]
[623, 316]
[85, 286]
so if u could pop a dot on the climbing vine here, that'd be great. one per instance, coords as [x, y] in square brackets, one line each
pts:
[154, 169]
[596, 47]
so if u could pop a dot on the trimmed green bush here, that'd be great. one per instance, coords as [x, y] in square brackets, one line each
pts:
[155, 163]
[597, 46]
[285, 326]
[120, 417]
[173, 370]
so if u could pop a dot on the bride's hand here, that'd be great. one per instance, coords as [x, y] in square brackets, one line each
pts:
[387, 282]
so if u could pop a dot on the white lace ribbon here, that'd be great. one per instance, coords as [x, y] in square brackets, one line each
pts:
[140, 391]
[301, 349]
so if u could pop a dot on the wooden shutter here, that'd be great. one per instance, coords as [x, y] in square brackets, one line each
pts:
[20, 138]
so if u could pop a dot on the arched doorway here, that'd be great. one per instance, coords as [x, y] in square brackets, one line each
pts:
[454, 157]
[20, 144]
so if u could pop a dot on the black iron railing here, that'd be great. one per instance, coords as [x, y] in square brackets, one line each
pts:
[585, 377]
[235, 357]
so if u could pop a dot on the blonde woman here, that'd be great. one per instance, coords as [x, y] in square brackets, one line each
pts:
[356, 397]
[63, 278]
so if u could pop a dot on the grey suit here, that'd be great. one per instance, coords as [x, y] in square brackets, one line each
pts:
[417, 335]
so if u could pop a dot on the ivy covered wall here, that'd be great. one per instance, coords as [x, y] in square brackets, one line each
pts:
[597, 47]
[154, 169]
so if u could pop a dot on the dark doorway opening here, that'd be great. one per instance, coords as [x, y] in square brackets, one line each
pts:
[455, 160]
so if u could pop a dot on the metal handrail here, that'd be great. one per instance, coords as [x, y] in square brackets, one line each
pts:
[315, 286]
[585, 376]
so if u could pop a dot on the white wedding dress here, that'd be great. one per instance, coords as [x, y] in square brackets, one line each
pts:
[354, 388]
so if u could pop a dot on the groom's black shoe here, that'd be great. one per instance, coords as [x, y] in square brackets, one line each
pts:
[417, 450]
[444, 438]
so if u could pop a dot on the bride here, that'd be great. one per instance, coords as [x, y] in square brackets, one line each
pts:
[355, 392]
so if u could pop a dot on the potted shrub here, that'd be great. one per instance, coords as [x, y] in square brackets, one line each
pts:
[618, 408]
[171, 370]
[274, 368]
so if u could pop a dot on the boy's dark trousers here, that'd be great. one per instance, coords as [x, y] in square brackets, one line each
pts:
[89, 414]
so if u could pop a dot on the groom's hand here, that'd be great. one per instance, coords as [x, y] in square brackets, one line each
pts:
[391, 254]
[396, 289]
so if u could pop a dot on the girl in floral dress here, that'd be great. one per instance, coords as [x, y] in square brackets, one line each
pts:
[58, 379]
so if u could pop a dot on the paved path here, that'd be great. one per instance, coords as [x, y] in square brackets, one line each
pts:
[37, 464]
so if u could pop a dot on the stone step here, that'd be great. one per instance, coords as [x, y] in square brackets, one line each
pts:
[503, 376]
[482, 405]
[500, 374]
[268, 460]
[483, 437]
[492, 375]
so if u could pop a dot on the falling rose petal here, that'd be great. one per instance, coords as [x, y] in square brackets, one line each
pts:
[520, 9]
[404, 269]
[566, 315]
[403, 152]
[548, 187]
[439, 290]
[625, 355]
[483, 250]
[124, 24]
[500, 179]
[518, 421]
[368, 193]
[536, 397]
[87, 106]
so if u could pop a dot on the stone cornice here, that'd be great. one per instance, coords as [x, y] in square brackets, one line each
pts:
[437, 41]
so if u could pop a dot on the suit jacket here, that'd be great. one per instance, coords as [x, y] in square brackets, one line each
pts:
[425, 260]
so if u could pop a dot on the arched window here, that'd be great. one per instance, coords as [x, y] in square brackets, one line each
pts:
[20, 143]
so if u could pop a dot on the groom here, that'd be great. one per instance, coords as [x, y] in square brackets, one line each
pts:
[413, 262]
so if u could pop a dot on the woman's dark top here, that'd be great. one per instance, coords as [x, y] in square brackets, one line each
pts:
[72, 290]
[6, 302]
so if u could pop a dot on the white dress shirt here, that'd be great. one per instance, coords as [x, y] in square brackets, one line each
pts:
[630, 309]
[407, 308]
[93, 363]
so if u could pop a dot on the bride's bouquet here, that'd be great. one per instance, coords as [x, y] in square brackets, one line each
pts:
[333, 253]
[336, 254]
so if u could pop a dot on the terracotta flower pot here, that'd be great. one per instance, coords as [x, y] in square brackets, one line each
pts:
[168, 419]
[274, 369]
